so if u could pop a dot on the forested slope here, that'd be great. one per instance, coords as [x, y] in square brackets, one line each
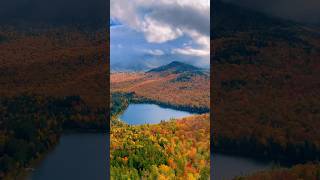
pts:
[266, 87]
[175, 149]
[55, 61]
[52, 79]
[31, 125]
[169, 150]
[177, 85]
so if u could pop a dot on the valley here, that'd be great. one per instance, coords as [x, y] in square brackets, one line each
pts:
[188, 90]
[181, 145]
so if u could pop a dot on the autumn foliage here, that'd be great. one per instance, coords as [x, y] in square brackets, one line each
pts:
[193, 93]
[266, 87]
[177, 149]
[52, 79]
[59, 61]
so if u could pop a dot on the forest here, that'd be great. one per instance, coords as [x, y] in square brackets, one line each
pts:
[31, 125]
[53, 78]
[307, 171]
[54, 61]
[174, 149]
[171, 87]
[266, 88]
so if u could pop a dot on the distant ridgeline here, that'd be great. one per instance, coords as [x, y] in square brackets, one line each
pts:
[31, 125]
[176, 67]
[266, 94]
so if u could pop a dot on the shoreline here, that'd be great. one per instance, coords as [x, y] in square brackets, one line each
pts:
[22, 173]
[190, 109]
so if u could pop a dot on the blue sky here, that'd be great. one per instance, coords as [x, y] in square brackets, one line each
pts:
[145, 34]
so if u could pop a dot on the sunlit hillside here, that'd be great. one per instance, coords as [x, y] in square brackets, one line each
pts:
[183, 89]
[175, 149]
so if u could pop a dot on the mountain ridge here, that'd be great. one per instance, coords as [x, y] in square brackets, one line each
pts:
[175, 67]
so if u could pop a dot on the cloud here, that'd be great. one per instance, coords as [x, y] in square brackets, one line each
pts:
[157, 32]
[203, 43]
[189, 51]
[166, 20]
[155, 52]
[186, 17]
[125, 11]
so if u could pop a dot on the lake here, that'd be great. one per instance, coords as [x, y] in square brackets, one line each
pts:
[137, 114]
[227, 167]
[80, 156]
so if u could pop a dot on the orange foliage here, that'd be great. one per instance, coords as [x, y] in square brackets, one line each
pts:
[184, 161]
[55, 62]
[163, 88]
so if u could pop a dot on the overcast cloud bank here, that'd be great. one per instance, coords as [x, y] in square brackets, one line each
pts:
[162, 21]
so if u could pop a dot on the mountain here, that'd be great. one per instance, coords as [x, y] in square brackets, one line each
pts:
[176, 84]
[176, 67]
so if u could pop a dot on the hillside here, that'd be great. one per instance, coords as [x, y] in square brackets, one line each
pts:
[52, 79]
[175, 67]
[176, 84]
[56, 62]
[266, 86]
[178, 148]
[173, 149]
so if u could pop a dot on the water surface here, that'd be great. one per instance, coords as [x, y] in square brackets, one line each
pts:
[79, 156]
[82, 156]
[227, 167]
[150, 113]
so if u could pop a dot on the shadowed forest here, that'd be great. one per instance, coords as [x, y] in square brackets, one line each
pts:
[52, 79]
[266, 89]
[53, 76]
